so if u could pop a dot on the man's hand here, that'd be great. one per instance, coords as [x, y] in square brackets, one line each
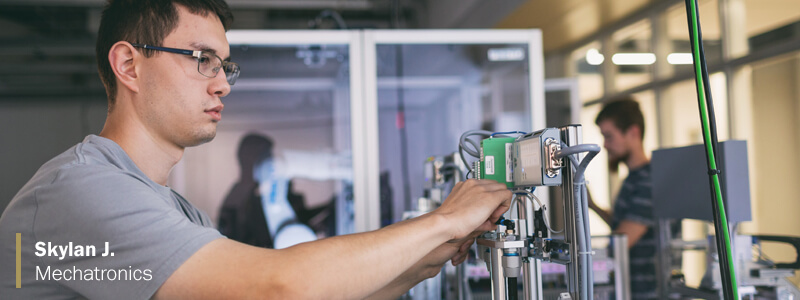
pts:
[471, 209]
[455, 251]
[473, 206]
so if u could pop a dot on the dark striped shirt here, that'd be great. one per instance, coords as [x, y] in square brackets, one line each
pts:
[635, 203]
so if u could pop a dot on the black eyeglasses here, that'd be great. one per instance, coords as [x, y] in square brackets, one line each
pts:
[208, 64]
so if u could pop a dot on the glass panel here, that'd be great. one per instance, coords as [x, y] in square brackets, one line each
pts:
[679, 49]
[429, 94]
[773, 146]
[298, 97]
[588, 62]
[771, 21]
[633, 55]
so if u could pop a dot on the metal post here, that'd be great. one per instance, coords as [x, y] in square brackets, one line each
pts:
[571, 135]
[663, 258]
[531, 268]
[622, 272]
[532, 275]
[498, 274]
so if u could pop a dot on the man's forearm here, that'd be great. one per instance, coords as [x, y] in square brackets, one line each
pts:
[606, 216]
[399, 285]
[428, 267]
[334, 256]
[342, 267]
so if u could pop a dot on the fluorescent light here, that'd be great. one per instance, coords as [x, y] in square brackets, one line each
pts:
[593, 57]
[634, 58]
[506, 54]
[680, 58]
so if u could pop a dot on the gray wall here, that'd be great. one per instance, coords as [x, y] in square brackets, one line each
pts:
[35, 130]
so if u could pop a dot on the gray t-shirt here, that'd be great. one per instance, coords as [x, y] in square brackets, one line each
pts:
[88, 196]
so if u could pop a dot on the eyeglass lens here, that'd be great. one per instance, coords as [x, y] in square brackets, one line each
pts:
[209, 65]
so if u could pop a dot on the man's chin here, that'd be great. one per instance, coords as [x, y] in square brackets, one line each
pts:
[201, 138]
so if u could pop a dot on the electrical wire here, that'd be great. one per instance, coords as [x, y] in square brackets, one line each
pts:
[730, 289]
[533, 197]
[572, 158]
[474, 145]
[508, 132]
[570, 150]
[581, 203]
[580, 173]
[463, 158]
[463, 137]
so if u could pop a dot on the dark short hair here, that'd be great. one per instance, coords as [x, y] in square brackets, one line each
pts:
[145, 22]
[624, 113]
[254, 148]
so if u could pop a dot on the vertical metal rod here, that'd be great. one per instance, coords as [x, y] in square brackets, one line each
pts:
[664, 259]
[532, 276]
[461, 277]
[622, 272]
[498, 275]
[531, 268]
[571, 136]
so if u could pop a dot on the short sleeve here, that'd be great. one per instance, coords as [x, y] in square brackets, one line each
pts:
[147, 237]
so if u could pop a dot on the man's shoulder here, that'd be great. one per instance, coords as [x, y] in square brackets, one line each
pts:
[85, 171]
[641, 173]
[85, 163]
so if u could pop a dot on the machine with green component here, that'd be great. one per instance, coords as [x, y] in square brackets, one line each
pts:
[496, 159]
[521, 162]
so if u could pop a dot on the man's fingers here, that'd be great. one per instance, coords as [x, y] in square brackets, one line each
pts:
[486, 226]
[466, 245]
[500, 210]
[458, 260]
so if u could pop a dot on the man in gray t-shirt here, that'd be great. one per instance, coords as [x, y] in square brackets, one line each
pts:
[93, 194]
[165, 67]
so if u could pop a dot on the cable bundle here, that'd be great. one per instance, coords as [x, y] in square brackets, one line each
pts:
[729, 286]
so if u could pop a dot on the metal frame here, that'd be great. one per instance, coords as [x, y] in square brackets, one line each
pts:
[371, 38]
[364, 89]
[569, 84]
[357, 108]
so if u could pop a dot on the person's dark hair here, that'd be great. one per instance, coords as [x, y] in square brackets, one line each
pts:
[145, 22]
[253, 149]
[624, 113]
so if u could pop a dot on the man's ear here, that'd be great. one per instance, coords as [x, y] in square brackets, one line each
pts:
[122, 59]
[634, 132]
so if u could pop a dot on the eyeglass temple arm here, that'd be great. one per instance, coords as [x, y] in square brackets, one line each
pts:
[194, 53]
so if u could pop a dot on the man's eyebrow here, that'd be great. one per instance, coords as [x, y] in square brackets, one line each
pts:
[205, 48]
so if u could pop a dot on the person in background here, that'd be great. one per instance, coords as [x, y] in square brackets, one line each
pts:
[241, 217]
[621, 123]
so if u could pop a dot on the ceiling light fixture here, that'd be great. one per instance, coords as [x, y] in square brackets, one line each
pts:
[594, 57]
[633, 59]
[680, 58]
